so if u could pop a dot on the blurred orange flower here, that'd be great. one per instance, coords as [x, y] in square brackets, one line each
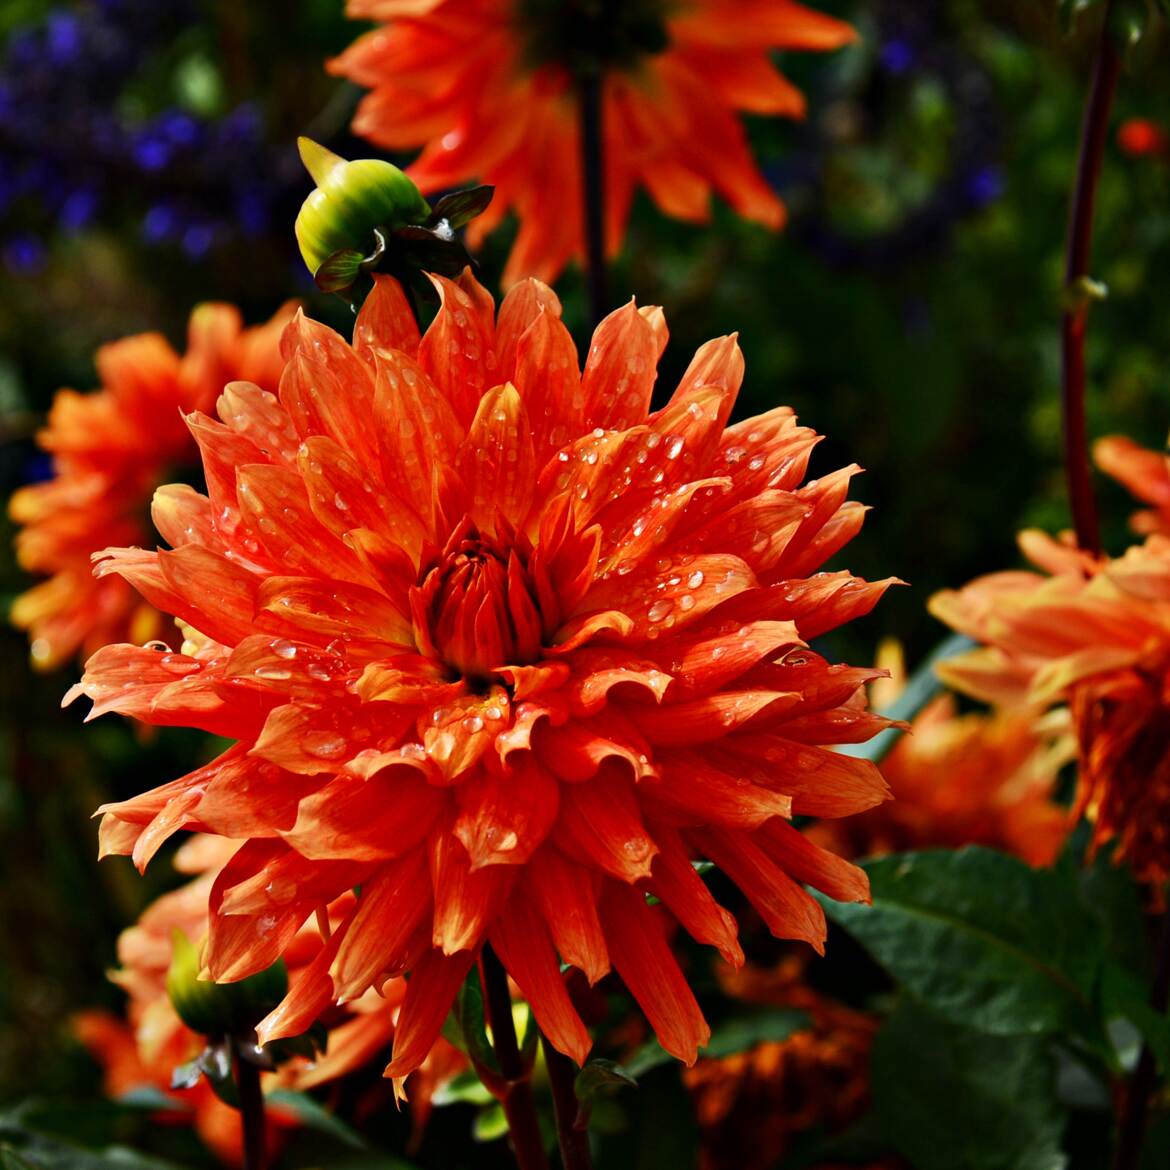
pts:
[751, 1105]
[110, 450]
[976, 779]
[488, 87]
[1094, 634]
[507, 651]
[1145, 473]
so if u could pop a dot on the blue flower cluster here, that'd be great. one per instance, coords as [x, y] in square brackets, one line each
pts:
[77, 147]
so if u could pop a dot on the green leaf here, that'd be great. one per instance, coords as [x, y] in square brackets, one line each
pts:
[461, 207]
[598, 1076]
[490, 1124]
[1124, 995]
[648, 1056]
[739, 1035]
[338, 270]
[464, 1089]
[11, 1160]
[950, 1098]
[469, 1009]
[313, 1115]
[982, 939]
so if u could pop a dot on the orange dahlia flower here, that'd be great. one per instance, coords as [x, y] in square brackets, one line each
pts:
[110, 450]
[1145, 473]
[489, 89]
[750, 1106]
[974, 779]
[506, 650]
[1094, 634]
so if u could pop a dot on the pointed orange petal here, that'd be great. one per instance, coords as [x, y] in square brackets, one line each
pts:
[385, 321]
[505, 816]
[601, 824]
[434, 982]
[466, 899]
[620, 371]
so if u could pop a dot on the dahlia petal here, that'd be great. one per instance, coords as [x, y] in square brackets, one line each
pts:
[258, 415]
[271, 877]
[222, 450]
[393, 904]
[691, 792]
[600, 824]
[308, 997]
[417, 428]
[821, 603]
[326, 388]
[385, 321]
[367, 820]
[341, 494]
[176, 814]
[457, 734]
[597, 671]
[246, 797]
[207, 591]
[711, 657]
[308, 607]
[545, 372]
[821, 783]
[433, 985]
[823, 499]
[293, 671]
[505, 817]
[711, 717]
[274, 503]
[183, 516]
[809, 863]
[525, 303]
[521, 940]
[577, 750]
[310, 740]
[497, 461]
[406, 678]
[567, 896]
[676, 884]
[528, 681]
[466, 899]
[577, 631]
[675, 595]
[620, 370]
[788, 911]
[527, 716]
[454, 349]
[648, 968]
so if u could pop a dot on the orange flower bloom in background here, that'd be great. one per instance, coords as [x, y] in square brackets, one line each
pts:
[1095, 634]
[505, 650]
[110, 450]
[144, 1048]
[751, 1105]
[975, 779]
[489, 89]
[1145, 473]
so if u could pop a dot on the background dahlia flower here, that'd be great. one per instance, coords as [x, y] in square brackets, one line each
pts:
[1145, 473]
[111, 449]
[971, 779]
[504, 649]
[144, 1048]
[1094, 634]
[489, 89]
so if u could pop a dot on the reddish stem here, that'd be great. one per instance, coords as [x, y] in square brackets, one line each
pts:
[572, 1133]
[519, 1107]
[251, 1107]
[1094, 130]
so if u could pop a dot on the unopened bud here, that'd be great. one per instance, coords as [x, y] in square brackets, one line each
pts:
[351, 200]
[218, 1009]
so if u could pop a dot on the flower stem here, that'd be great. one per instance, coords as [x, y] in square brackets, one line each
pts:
[519, 1107]
[593, 194]
[572, 1136]
[1132, 1129]
[251, 1108]
[1094, 128]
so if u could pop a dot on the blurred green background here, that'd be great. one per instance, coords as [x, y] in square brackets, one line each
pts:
[909, 313]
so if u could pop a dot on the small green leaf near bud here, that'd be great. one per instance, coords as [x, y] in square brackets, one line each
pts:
[352, 198]
[600, 1075]
[218, 1009]
[461, 207]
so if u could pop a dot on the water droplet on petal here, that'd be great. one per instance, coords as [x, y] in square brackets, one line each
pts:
[282, 648]
[324, 745]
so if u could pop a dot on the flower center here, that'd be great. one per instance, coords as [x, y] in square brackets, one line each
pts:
[591, 37]
[478, 605]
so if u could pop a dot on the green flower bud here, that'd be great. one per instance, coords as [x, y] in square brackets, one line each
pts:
[219, 1009]
[351, 199]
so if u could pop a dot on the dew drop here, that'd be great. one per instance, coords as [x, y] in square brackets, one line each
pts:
[324, 745]
[659, 610]
[472, 724]
[284, 649]
[272, 673]
[686, 601]
[674, 447]
[695, 579]
[160, 647]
